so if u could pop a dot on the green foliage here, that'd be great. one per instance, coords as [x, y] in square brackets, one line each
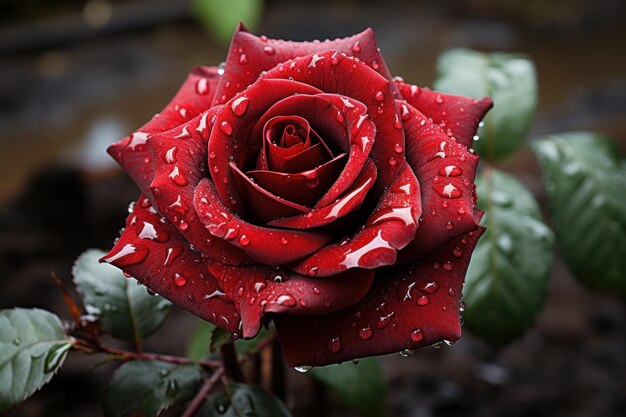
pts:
[585, 184]
[361, 387]
[244, 400]
[220, 17]
[508, 275]
[33, 346]
[125, 309]
[509, 79]
[147, 388]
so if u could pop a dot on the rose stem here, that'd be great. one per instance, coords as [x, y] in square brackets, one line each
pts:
[229, 356]
[202, 394]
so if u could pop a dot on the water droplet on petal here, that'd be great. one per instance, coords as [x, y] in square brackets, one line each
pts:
[334, 344]
[462, 306]
[438, 99]
[178, 177]
[380, 96]
[179, 280]
[448, 266]
[448, 191]
[457, 252]
[450, 171]
[430, 287]
[284, 241]
[398, 148]
[313, 271]
[226, 128]
[268, 50]
[243, 59]
[417, 335]
[244, 240]
[240, 106]
[365, 333]
[286, 300]
[202, 86]
[449, 226]
[303, 369]
[356, 47]
[451, 292]
[423, 300]
[406, 353]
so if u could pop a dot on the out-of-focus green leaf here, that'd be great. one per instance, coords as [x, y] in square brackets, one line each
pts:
[220, 17]
[33, 346]
[508, 275]
[509, 79]
[147, 388]
[585, 184]
[361, 387]
[244, 400]
[125, 309]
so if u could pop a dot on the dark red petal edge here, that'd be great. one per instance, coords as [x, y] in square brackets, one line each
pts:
[458, 116]
[250, 55]
[193, 97]
[180, 161]
[446, 171]
[258, 290]
[267, 246]
[390, 227]
[406, 308]
[157, 255]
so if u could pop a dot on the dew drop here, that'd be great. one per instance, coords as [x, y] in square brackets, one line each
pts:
[448, 191]
[398, 148]
[462, 306]
[179, 280]
[380, 96]
[457, 252]
[439, 99]
[286, 300]
[268, 50]
[244, 240]
[284, 240]
[303, 369]
[423, 300]
[383, 321]
[449, 226]
[183, 225]
[450, 171]
[451, 292]
[365, 333]
[417, 335]
[430, 287]
[226, 128]
[202, 86]
[243, 59]
[448, 266]
[406, 353]
[178, 177]
[334, 344]
[240, 106]
[461, 210]
[313, 271]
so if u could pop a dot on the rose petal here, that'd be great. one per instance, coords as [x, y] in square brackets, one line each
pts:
[458, 116]
[344, 205]
[193, 97]
[257, 290]
[261, 204]
[390, 227]
[406, 308]
[267, 246]
[159, 257]
[335, 73]
[180, 159]
[446, 171]
[231, 140]
[250, 55]
[302, 187]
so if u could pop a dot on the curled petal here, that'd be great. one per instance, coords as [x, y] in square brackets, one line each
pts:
[458, 116]
[230, 141]
[446, 171]
[344, 205]
[267, 246]
[406, 308]
[194, 97]
[257, 290]
[335, 73]
[158, 256]
[390, 227]
[250, 55]
[180, 159]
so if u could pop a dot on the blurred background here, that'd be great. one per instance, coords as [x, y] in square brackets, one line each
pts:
[77, 75]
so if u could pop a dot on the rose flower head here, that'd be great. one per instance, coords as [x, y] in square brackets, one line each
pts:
[299, 182]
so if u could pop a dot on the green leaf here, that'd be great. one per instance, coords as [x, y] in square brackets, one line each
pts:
[207, 338]
[198, 345]
[244, 400]
[361, 387]
[509, 79]
[33, 346]
[585, 184]
[508, 275]
[125, 308]
[147, 388]
[220, 18]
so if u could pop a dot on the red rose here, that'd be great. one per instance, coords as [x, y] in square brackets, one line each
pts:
[301, 180]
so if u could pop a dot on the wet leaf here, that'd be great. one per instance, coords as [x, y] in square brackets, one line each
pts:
[220, 20]
[361, 387]
[125, 308]
[509, 79]
[585, 184]
[244, 400]
[508, 275]
[147, 388]
[33, 346]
